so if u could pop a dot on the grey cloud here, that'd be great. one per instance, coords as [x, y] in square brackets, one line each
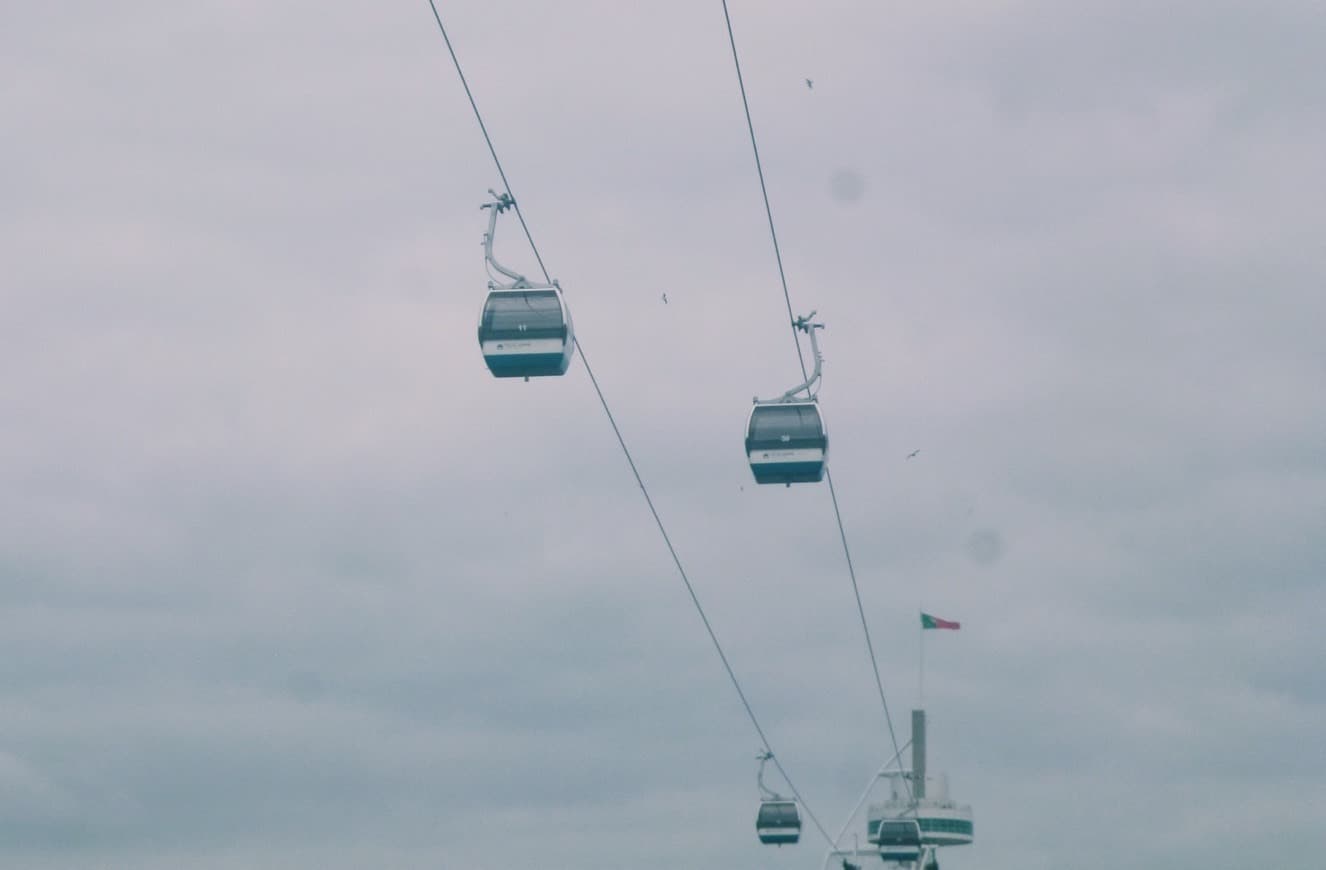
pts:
[289, 581]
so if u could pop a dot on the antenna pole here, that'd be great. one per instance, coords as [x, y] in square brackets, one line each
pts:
[918, 755]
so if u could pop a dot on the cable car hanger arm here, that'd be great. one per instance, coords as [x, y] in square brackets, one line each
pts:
[806, 325]
[501, 202]
[766, 793]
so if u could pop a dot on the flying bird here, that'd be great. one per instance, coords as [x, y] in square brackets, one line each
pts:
[913, 453]
[810, 85]
[665, 299]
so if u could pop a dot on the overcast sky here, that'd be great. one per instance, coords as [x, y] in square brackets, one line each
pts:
[287, 579]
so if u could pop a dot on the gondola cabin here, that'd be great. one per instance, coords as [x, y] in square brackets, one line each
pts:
[786, 442]
[526, 333]
[778, 823]
[898, 840]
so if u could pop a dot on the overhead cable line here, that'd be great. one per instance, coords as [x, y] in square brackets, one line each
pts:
[787, 297]
[483, 128]
[621, 441]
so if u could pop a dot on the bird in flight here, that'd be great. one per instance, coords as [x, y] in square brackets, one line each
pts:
[913, 453]
[665, 299]
[810, 85]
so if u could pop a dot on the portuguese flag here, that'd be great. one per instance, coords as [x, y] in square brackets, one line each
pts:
[928, 621]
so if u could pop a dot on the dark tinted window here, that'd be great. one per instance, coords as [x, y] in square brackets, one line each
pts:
[899, 833]
[530, 314]
[786, 426]
[778, 815]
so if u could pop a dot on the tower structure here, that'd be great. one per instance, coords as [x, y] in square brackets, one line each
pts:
[917, 795]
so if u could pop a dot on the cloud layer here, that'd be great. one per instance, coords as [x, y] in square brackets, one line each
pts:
[289, 581]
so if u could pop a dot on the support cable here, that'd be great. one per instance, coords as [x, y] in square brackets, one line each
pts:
[782, 277]
[483, 128]
[621, 441]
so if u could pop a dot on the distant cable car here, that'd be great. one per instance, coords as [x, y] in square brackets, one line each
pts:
[778, 822]
[525, 330]
[899, 840]
[786, 440]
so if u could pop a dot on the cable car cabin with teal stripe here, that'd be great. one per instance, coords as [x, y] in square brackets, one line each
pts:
[786, 442]
[526, 333]
[778, 823]
[898, 839]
